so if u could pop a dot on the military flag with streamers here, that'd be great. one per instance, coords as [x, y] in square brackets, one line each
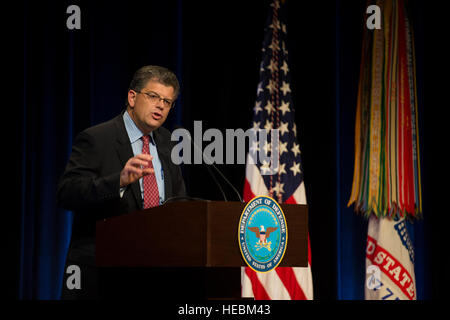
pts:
[274, 110]
[386, 181]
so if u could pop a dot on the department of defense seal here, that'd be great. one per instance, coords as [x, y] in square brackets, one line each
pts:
[262, 234]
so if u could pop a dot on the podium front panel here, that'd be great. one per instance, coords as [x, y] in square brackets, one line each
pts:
[190, 234]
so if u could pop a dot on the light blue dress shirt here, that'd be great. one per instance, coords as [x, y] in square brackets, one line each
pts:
[136, 143]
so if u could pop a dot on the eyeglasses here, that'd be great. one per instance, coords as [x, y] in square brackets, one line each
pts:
[154, 98]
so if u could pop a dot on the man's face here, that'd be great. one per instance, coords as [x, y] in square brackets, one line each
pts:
[147, 110]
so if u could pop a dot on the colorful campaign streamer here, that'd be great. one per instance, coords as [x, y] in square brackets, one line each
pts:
[386, 179]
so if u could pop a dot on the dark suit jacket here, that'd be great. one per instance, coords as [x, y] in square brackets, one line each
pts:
[90, 183]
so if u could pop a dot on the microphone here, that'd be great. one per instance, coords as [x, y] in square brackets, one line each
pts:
[215, 168]
[182, 198]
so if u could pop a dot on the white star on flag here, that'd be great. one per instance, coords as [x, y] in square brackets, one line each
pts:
[284, 107]
[284, 128]
[257, 107]
[285, 88]
[269, 107]
[285, 67]
[295, 168]
[295, 149]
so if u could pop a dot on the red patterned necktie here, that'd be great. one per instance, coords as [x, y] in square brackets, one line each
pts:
[151, 193]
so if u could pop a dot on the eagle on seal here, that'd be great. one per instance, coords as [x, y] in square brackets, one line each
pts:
[262, 233]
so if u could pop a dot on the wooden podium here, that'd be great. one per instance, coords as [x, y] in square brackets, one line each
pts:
[198, 236]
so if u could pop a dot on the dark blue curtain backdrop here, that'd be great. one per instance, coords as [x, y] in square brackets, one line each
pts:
[73, 79]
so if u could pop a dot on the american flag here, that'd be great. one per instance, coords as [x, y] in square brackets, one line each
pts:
[274, 110]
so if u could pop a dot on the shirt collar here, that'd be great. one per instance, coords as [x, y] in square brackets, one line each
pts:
[134, 133]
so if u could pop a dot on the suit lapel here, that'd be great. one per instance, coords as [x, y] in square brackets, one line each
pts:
[125, 152]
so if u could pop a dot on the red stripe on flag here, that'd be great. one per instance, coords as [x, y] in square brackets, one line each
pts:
[289, 280]
[258, 289]
[309, 253]
[291, 200]
[248, 193]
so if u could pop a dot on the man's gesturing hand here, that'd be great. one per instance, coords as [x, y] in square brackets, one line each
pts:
[133, 169]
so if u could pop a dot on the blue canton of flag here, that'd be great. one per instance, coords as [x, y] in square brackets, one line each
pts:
[274, 110]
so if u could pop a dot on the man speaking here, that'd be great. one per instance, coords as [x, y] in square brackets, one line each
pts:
[118, 167]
